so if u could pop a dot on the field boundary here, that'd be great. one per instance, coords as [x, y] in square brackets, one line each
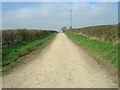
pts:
[108, 33]
[26, 58]
[104, 63]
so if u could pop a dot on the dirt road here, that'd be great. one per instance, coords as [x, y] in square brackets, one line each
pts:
[62, 64]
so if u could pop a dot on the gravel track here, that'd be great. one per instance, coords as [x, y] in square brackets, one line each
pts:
[62, 64]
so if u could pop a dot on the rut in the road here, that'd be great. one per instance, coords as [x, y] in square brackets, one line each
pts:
[62, 64]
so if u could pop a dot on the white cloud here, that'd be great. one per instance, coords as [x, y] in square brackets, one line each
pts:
[56, 15]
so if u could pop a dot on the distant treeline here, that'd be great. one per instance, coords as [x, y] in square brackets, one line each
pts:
[102, 32]
[10, 37]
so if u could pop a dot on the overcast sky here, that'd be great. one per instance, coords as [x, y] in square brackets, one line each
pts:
[54, 15]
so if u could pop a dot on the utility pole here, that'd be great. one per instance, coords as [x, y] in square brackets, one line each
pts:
[71, 19]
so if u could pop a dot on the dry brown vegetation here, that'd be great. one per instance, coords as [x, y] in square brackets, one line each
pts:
[102, 32]
[10, 37]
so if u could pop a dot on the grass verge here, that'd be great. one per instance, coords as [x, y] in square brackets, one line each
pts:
[11, 55]
[105, 50]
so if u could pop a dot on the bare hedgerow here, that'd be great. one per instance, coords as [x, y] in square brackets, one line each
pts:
[10, 37]
[103, 32]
